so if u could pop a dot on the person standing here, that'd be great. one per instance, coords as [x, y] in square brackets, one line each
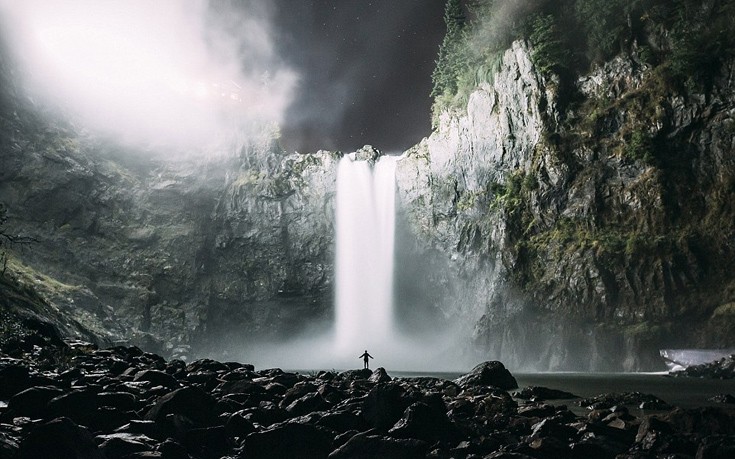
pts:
[365, 356]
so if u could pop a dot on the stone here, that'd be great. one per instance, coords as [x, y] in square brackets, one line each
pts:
[32, 402]
[488, 374]
[538, 393]
[60, 437]
[424, 422]
[384, 405]
[122, 445]
[379, 376]
[288, 441]
[363, 446]
[190, 402]
[157, 378]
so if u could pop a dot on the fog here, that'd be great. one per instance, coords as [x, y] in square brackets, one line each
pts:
[167, 73]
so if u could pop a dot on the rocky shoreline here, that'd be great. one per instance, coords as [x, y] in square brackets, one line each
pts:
[83, 402]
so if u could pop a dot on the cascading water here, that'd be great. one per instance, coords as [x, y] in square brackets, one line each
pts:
[364, 264]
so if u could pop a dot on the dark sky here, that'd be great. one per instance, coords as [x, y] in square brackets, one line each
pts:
[366, 71]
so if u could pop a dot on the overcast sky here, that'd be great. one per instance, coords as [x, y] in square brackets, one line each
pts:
[365, 69]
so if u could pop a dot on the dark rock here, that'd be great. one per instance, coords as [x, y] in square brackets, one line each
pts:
[238, 426]
[121, 445]
[170, 449]
[14, 378]
[147, 428]
[157, 378]
[488, 374]
[384, 405]
[424, 422]
[643, 401]
[60, 438]
[210, 442]
[379, 376]
[538, 393]
[716, 447]
[121, 400]
[363, 446]
[703, 421]
[297, 391]
[722, 398]
[287, 441]
[342, 421]
[8, 446]
[190, 402]
[351, 375]
[307, 404]
[77, 405]
[206, 365]
[240, 386]
[553, 428]
[32, 402]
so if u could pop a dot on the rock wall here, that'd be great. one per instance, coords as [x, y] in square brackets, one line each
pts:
[583, 237]
[185, 256]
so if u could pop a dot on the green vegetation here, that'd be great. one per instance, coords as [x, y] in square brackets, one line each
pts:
[570, 36]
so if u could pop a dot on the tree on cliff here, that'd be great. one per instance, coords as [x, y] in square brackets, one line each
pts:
[449, 62]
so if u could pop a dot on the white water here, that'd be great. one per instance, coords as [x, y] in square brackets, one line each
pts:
[364, 264]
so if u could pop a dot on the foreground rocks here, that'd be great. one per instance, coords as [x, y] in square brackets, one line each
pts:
[723, 368]
[123, 403]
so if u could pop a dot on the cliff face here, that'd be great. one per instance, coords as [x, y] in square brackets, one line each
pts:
[169, 255]
[583, 237]
[582, 228]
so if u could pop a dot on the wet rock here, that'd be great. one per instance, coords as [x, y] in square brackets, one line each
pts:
[190, 402]
[307, 404]
[122, 445]
[350, 375]
[723, 368]
[379, 376]
[157, 378]
[32, 402]
[384, 405]
[488, 374]
[60, 437]
[643, 401]
[424, 422]
[14, 378]
[538, 393]
[288, 441]
[207, 442]
[363, 446]
[722, 398]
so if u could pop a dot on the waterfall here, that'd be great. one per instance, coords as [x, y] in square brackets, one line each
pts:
[364, 264]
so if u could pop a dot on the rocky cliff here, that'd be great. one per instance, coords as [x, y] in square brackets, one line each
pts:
[582, 237]
[167, 254]
[562, 225]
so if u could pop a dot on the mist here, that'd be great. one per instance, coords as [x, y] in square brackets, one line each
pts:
[184, 76]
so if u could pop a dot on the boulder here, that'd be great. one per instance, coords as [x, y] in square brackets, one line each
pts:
[491, 373]
[122, 445]
[423, 422]
[32, 402]
[379, 376]
[288, 441]
[60, 438]
[384, 405]
[362, 446]
[538, 393]
[190, 402]
[157, 378]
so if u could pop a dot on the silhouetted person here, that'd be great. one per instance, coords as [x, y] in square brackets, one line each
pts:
[365, 360]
